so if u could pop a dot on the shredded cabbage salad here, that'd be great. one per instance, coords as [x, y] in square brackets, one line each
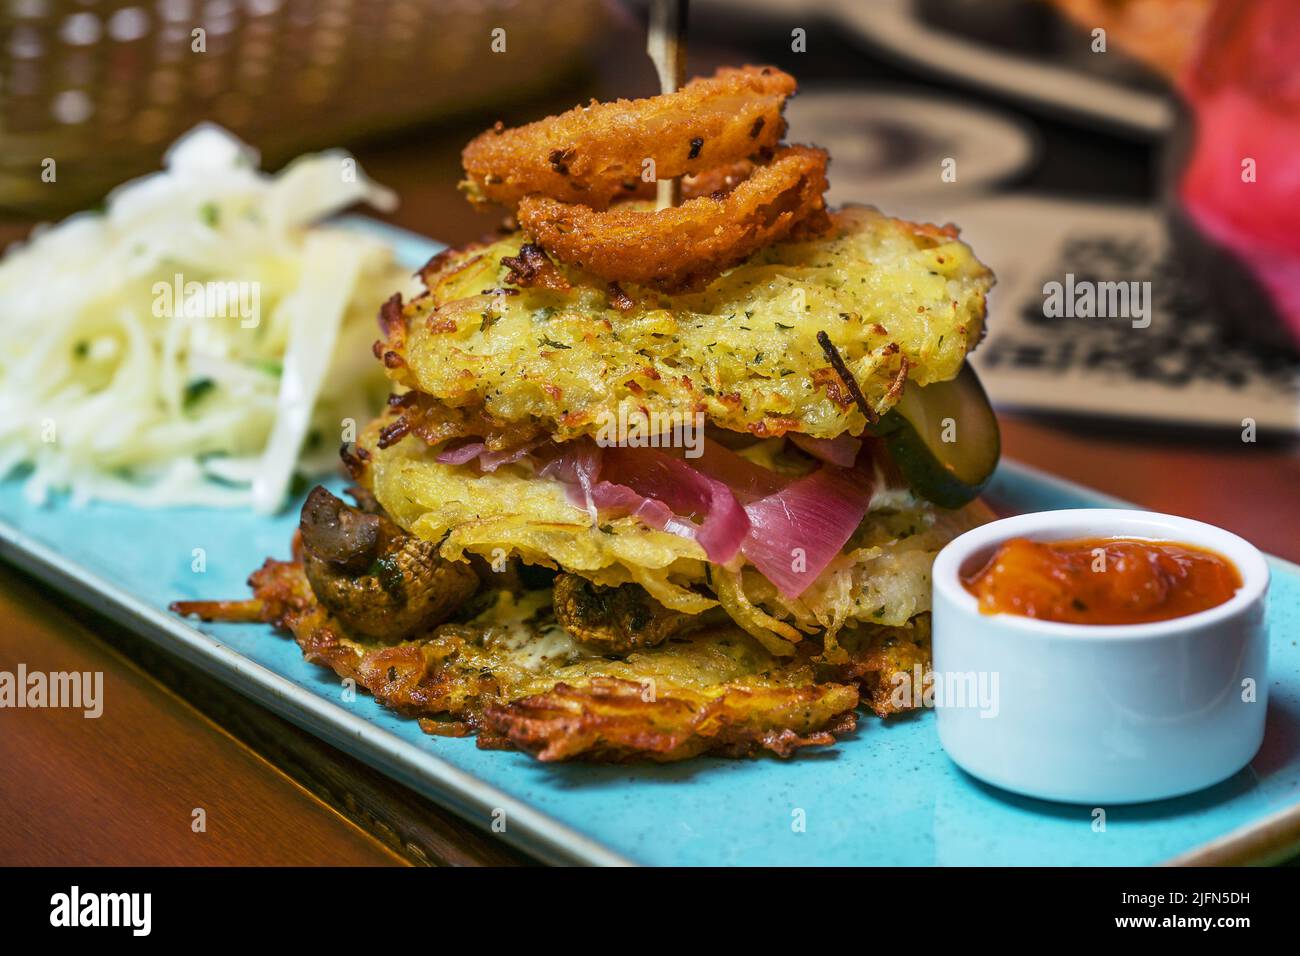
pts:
[201, 340]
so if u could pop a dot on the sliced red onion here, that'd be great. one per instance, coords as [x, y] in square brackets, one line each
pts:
[571, 461]
[842, 451]
[461, 453]
[492, 460]
[747, 480]
[719, 524]
[795, 533]
[620, 499]
[702, 501]
[577, 464]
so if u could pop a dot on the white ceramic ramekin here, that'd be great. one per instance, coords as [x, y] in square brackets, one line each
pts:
[1100, 714]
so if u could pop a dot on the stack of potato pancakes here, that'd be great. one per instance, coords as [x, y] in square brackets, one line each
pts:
[638, 492]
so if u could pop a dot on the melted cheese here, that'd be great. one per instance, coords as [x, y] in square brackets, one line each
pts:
[891, 498]
[525, 631]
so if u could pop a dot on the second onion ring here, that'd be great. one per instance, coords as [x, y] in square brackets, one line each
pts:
[683, 246]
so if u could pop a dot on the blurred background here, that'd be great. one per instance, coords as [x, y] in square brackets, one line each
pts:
[1113, 140]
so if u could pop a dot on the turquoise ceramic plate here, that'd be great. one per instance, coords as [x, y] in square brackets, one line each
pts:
[886, 795]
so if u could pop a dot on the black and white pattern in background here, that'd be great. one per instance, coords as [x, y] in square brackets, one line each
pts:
[1185, 344]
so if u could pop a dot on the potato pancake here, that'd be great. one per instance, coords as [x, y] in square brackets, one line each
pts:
[900, 302]
[882, 576]
[511, 674]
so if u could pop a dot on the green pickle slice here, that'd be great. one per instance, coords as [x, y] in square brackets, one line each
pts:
[944, 438]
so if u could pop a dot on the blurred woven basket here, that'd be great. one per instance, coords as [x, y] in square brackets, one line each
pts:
[102, 86]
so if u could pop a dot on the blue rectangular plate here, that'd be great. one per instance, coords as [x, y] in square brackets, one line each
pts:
[885, 795]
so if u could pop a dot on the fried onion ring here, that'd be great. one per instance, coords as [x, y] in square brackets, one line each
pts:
[679, 247]
[595, 154]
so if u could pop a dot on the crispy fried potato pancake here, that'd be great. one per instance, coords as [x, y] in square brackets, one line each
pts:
[435, 422]
[512, 513]
[885, 662]
[883, 576]
[748, 308]
[894, 298]
[513, 674]
[608, 721]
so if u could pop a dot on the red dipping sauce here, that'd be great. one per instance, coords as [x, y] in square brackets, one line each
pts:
[1102, 580]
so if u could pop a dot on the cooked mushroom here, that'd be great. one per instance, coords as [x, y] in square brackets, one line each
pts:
[621, 618]
[378, 581]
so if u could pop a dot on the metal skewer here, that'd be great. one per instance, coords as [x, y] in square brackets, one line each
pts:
[666, 45]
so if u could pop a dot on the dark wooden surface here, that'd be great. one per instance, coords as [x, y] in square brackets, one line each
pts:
[121, 789]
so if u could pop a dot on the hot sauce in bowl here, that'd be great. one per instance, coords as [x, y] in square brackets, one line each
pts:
[1102, 580]
[1130, 654]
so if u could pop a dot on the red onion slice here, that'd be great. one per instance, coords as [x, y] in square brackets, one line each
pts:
[795, 533]
[461, 453]
[842, 451]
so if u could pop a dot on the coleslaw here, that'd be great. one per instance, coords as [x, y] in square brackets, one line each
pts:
[201, 340]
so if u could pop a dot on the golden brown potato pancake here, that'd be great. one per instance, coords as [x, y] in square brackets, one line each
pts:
[895, 298]
[518, 679]
[882, 577]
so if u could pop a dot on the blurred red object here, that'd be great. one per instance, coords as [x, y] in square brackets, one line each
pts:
[1241, 185]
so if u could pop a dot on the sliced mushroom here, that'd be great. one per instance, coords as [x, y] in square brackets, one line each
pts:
[378, 581]
[622, 618]
[335, 532]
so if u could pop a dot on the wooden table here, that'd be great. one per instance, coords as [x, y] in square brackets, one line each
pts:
[124, 788]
